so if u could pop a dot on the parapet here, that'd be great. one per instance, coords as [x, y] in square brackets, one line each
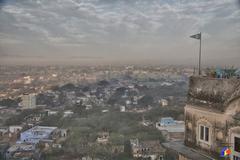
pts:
[215, 93]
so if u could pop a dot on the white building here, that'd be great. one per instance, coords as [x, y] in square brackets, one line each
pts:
[122, 109]
[28, 101]
[164, 102]
[15, 129]
[68, 113]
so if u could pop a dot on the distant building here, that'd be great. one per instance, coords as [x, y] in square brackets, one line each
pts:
[3, 149]
[167, 121]
[164, 102]
[37, 133]
[122, 109]
[67, 113]
[151, 150]
[15, 129]
[172, 129]
[89, 106]
[212, 121]
[51, 112]
[147, 123]
[105, 111]
[3, 131]
[21, 151]
[28, 101]
[103, 137]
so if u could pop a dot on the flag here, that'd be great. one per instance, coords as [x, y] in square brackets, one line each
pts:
[196, 36]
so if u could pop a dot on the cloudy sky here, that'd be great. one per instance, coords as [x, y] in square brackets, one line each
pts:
[154, 31]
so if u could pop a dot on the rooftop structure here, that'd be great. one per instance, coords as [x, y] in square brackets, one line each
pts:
[37, 133]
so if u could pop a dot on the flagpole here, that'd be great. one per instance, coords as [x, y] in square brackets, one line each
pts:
[200, 49]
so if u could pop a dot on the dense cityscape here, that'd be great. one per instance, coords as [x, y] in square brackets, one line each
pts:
[102, 112]
[98, 109]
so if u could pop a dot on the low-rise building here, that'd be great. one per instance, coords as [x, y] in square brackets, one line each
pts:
[122, 109]
[151, 150]
[3, 149]
[67, 113]
[163, 102]
[3, 131]
[103, 137]
[21, 151]
[15, 129]
[37, 133]
[173, 130]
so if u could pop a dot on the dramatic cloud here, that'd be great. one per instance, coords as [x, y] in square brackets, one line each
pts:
[125, 29]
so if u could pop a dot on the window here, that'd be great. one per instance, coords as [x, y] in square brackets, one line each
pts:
[237, 144]
[204, 133]
[236, 158]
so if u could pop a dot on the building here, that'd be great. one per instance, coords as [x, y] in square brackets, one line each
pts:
[21, 151]
[3, 149]
[15, 129]
[103, 137]
[173, 130]
[122, 109]
[3, 131]
[167, 121]
[163, 102]
[67, 113]
[28, 101]
[151, 150]
[212, 121]
[37, 133]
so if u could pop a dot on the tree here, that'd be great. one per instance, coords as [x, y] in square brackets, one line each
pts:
[10, 102]
[146, 100]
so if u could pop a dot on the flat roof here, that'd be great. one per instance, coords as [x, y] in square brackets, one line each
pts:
[188, 152]
[39, 131]
[42, 129]
[21, 147]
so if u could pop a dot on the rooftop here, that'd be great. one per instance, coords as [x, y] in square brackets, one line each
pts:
[21, 147]
[180, 148]
[37, 133]
[215, 93]
[167, 121]
[41, 129]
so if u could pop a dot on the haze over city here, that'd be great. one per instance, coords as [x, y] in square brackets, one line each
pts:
[119, 31]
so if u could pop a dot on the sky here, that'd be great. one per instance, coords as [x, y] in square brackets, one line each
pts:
[119, 31]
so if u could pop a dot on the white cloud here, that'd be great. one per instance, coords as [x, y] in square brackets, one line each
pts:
[132, 23]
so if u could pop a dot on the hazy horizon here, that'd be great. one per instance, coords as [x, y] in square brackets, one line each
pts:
[119, 31]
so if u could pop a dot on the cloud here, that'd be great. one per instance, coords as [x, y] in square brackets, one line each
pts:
[132, 25]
